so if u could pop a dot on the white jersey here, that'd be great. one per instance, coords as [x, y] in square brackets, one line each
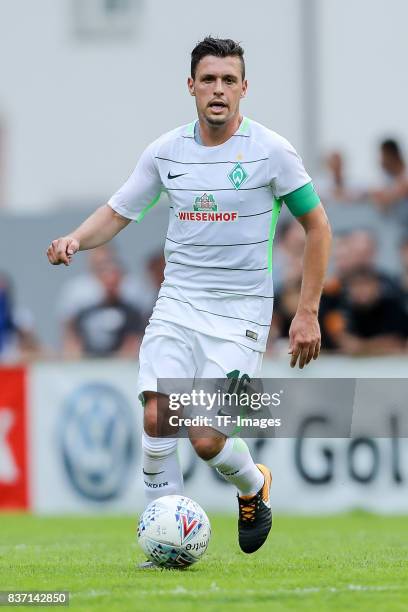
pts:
[222, 219]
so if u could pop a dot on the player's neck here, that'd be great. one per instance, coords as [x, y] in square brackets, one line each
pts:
[213, 135]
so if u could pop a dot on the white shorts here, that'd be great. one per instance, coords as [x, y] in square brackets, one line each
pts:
[171, 351]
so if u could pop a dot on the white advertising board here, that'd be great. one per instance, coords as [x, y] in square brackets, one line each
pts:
[85, 451]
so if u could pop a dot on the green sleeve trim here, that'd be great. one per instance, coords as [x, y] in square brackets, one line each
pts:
[146, 209]
[302, 200]
[277, 205]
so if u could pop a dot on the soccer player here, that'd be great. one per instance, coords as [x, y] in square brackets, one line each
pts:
[226, 178]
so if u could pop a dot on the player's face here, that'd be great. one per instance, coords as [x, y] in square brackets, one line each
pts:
[218, 88]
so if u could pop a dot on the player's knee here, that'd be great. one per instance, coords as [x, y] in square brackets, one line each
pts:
[207, 448]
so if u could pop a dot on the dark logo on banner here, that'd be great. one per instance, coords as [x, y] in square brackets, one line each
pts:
[97, 441]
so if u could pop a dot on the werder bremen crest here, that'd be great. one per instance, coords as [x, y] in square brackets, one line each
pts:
[205, 202]
[238, 175]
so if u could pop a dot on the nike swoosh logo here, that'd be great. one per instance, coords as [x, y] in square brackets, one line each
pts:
[222, 413]
[152, 473]
[173, 176]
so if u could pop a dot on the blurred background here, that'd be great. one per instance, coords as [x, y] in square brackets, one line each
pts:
[85, 85]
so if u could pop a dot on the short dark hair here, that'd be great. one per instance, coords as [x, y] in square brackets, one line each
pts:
[219, 47]
[391, 146]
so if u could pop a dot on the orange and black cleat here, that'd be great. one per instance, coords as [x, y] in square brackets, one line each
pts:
[255, 515]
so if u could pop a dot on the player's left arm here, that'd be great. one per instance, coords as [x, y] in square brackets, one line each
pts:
[304, 333]
[292, 185]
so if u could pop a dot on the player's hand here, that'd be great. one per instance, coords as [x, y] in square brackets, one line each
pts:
[304, 339]
[62, 250]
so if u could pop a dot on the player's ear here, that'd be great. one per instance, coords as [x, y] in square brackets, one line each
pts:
[244, 88]
[190, 85]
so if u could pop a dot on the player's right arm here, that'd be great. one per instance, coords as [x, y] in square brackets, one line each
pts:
[131, 202]
[98, 228]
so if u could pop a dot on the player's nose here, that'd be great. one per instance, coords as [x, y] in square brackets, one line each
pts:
[218, 87]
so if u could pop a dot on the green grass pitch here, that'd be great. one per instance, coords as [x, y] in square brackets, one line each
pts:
[349, 562]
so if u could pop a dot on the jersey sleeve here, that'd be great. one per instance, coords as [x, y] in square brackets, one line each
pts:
[142, 189]
[290, 182]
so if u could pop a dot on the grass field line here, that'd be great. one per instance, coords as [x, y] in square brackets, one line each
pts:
[215, 589]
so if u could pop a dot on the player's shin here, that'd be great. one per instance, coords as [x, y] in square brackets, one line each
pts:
[235, 464]
[162, 473]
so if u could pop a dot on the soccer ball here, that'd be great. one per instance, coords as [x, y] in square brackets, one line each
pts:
[174, 531]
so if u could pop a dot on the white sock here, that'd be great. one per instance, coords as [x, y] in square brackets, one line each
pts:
[162, 473]
[235, 464]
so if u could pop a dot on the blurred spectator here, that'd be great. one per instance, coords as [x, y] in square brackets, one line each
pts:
[111, 327]
[362, 252]
[352, 251]
[362, 309]
[362, 247]
[375, 320]
[17, 339]
[404, 266]
[394, 195]
[333, 184]
[345, 259]
[86, 289]
[346, 321]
